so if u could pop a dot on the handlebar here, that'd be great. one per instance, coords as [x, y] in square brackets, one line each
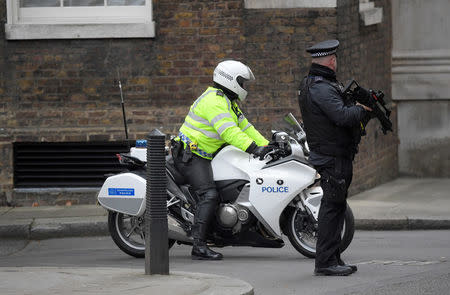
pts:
[285, 145]
[130, 162]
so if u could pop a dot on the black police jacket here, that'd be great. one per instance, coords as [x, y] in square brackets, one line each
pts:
[332, 124]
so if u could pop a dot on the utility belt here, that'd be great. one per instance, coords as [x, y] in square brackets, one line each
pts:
[178, 147]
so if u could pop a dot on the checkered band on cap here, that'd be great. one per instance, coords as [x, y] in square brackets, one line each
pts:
[323, 53]
[323, 48]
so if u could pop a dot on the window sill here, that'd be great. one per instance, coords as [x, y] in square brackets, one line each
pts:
[79, 31]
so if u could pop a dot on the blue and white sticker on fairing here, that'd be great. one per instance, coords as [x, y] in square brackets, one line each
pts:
[272, 189]
[121, 191]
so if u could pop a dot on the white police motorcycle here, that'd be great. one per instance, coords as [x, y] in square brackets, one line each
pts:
[260, 199]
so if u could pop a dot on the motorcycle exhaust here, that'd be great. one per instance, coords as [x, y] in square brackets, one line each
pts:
[176, 231]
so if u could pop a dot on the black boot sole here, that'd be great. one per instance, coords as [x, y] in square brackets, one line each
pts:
[338, 274]
[205, 258]
[353, 267]
[320, 274]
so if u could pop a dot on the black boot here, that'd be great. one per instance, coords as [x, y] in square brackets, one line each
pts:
[200, 251]
[335, 270]
[203, 218]
[353, 267]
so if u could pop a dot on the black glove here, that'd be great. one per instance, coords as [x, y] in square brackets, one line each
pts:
[273, 144]
[258, 151]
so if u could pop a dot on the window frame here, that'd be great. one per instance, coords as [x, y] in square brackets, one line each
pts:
[79, 22]
[283, 4]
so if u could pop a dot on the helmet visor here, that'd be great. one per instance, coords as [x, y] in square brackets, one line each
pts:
[240, 80]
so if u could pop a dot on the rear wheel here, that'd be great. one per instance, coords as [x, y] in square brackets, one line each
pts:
[128, 233]
[302, 231]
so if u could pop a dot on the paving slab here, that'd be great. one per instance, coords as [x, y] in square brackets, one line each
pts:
[404, 203]
[114, 281]
[54, 211]
[404, 198]
[46, 228]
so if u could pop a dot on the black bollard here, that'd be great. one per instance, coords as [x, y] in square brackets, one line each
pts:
[156, 231]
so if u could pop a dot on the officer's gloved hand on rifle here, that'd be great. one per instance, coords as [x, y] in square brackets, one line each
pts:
[366, 108]
[259, 151]
[372, 101]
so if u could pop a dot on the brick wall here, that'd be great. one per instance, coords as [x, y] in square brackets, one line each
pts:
[5, 138]
[275, 42]
[66, 90]
[365, 55]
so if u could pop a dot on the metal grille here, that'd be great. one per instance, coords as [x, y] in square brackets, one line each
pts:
[65, 164]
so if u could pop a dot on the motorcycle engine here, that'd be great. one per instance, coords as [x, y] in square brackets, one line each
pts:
[230, 215]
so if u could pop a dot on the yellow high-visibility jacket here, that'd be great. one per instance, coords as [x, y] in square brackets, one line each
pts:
[214, 120]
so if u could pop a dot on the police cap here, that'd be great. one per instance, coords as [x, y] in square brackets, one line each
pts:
[323, 48]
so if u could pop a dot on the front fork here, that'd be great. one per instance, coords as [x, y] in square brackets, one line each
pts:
[308, 202]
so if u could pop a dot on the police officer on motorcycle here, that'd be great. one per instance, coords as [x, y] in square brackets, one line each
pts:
[214, 120]
[333, 133]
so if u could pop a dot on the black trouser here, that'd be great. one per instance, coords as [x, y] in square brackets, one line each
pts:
[336, 178]
[198, 173]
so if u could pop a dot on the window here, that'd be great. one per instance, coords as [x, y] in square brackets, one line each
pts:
[73, 19]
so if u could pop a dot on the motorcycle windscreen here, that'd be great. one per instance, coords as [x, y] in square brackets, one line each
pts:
[124, 193]
[290, 125]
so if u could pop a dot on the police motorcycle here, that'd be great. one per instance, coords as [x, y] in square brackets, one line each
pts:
[261, 200]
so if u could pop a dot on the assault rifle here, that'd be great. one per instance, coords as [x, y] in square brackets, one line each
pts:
[374, 100]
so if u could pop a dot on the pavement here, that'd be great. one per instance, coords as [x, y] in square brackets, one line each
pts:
[115, 281]
[404, 203]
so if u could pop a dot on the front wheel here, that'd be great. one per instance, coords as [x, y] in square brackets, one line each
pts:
[302, 231]
[128, 233]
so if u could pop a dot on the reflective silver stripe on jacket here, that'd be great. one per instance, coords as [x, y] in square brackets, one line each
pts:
[206, 122]
[228, 102]
[220, 117]
[209, 134]
[198, 118]
[246, 127]
[225, 126]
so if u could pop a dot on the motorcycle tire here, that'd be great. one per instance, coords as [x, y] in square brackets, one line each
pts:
[309, 250]
[129, 239]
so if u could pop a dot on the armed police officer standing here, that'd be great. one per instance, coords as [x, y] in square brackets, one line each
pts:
[214, 120]
[331, 123]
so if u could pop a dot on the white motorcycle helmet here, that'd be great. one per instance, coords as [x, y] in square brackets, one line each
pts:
[232, 74]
